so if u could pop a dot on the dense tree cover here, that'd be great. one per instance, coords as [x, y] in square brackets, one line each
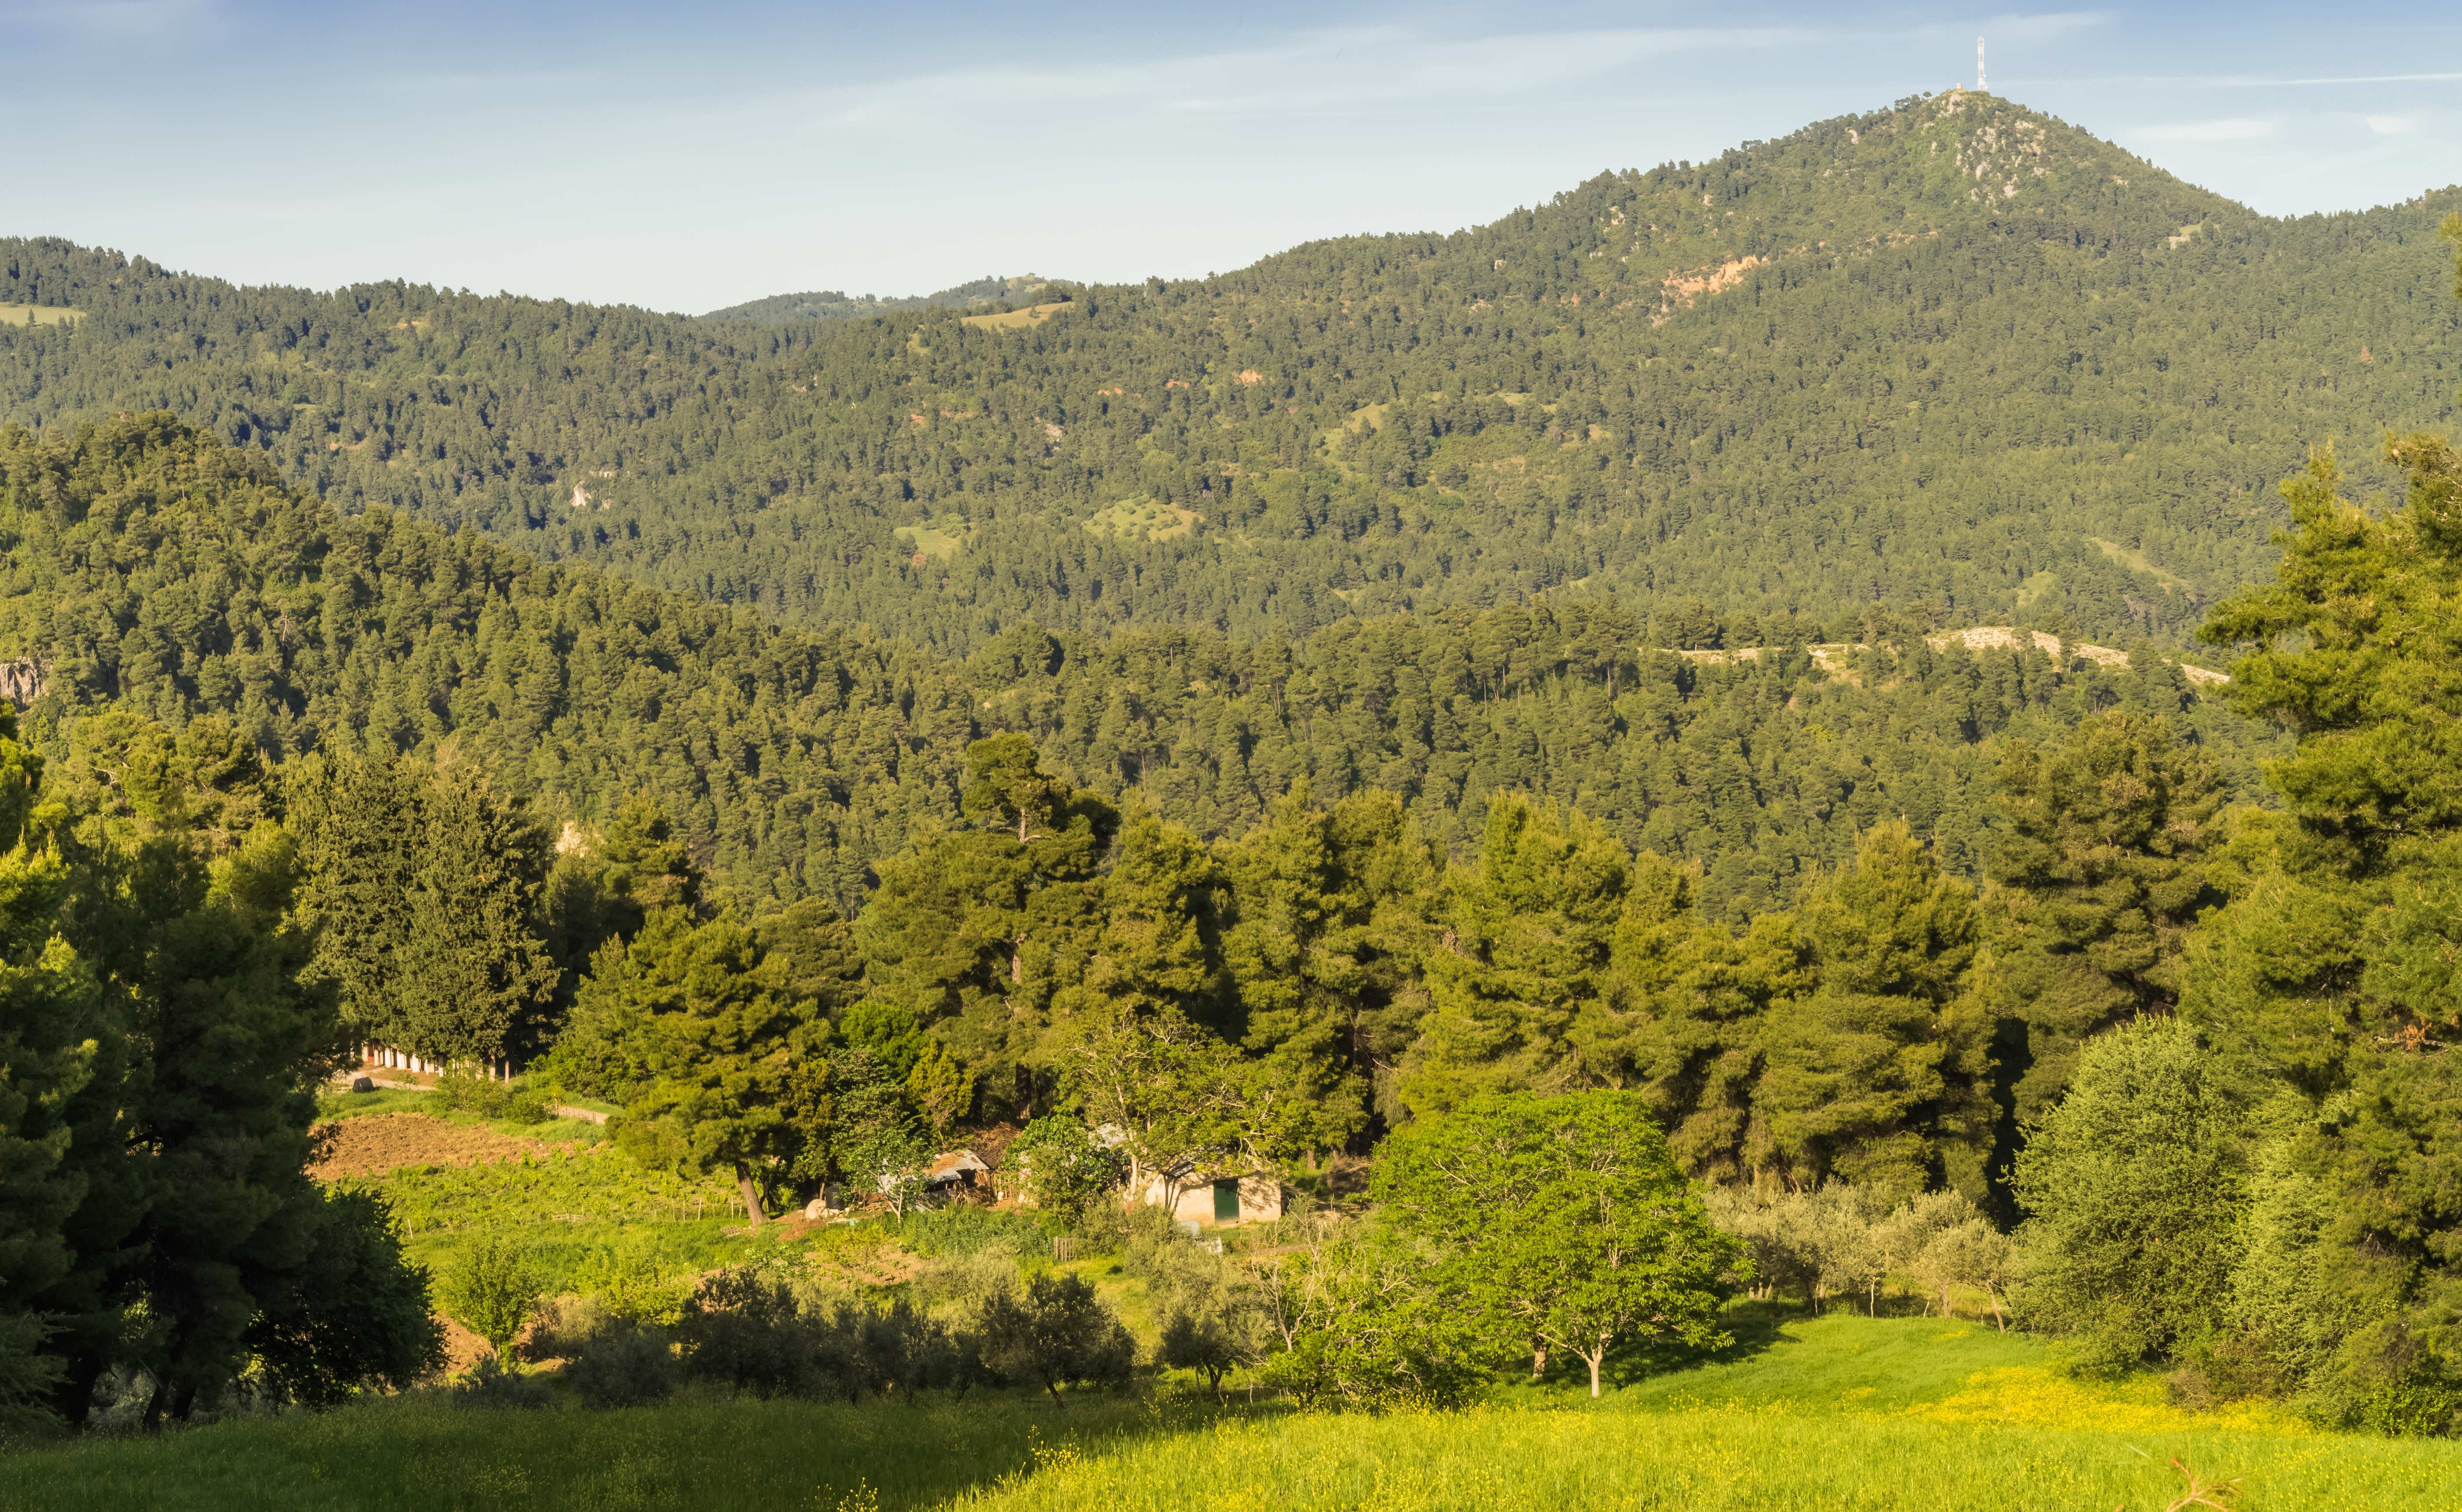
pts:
[153, 570]
[831, 304]
[163, 1046]
[1951, 356]
[2323, 990]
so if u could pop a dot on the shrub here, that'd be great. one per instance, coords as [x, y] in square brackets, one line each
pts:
[464, 1093]
[492, 1291]
[964, 1231]
[494, 1383]
[1060, 1332]
[747, 1333]
[532, 1105]
[2420, 1406]
[622, 1365]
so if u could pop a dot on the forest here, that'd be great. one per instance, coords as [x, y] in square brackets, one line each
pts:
[1952, 359]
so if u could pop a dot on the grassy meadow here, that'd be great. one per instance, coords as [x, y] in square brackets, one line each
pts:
[1841, 1411]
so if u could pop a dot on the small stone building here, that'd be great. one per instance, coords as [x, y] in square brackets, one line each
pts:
[1225, 1199]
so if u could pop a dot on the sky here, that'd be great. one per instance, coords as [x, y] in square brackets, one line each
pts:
[691, 157]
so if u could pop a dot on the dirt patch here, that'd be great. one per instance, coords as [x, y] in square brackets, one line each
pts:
[380, 1142]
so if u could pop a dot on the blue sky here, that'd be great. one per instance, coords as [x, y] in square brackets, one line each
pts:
[688, 157]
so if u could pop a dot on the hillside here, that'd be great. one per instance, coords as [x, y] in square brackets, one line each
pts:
[1952, 357]
[151, 568]
[829, 304]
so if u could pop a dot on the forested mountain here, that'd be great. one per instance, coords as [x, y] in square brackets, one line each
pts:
[829, 304]
[150, 568]
[1952, 358]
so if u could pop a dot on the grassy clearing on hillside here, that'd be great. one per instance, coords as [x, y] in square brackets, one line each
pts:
[1016, 318]
[1143, 519]
[38, 316]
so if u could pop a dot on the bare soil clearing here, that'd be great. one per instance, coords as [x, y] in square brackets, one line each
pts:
[375, 1145]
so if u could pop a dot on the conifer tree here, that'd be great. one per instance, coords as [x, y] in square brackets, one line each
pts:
[2331, 972]
[721, 1047]
[1324, 949]
[1875, 1074]
[1528, 933]
[975, 930]
[53, 1033]
[358, 823]
[470, 966]
[2101, 869]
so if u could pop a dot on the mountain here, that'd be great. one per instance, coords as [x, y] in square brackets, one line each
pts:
[1953, 359]
[830, 305]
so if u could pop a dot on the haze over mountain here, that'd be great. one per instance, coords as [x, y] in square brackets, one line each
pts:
[1952, 357]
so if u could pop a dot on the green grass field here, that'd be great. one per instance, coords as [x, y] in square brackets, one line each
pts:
[1841, 1411]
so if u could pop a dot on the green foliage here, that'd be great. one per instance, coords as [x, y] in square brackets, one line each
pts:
[1358, 1325]
[2327, 977]
[1877, 1075]
[356, 1316]
[720, 1046]
[1063, 1173]
[2133, 1182]
[492, 1291]
[794, 762]
[1563, 1221]
[2100, 867]
[1058, 1333]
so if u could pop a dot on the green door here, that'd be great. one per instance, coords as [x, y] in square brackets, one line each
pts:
[1226, 1202]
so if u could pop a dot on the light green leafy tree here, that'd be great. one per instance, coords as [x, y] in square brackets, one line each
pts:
[1564, 1219]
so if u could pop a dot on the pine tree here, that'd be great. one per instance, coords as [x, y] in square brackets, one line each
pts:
[1322, 951]
[1528, 934]
[470, 966]
[2101, 869]
[2330, 974]
[1875, 1075]
[721, 1048]
[51, 1038]
[356, 823]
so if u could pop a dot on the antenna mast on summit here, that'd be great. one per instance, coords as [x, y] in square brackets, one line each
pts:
[1979, 67]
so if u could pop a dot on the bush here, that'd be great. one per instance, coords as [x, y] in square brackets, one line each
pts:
[747, 1333]
[1059, 1333]
[494, 1383]
[492, 1291]
[532, 1105]
[464, 1093]
[622, 1365]
[962, 1232]
[2422, 1406]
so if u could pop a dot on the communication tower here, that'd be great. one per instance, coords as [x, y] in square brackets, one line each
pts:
[1979, 67]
